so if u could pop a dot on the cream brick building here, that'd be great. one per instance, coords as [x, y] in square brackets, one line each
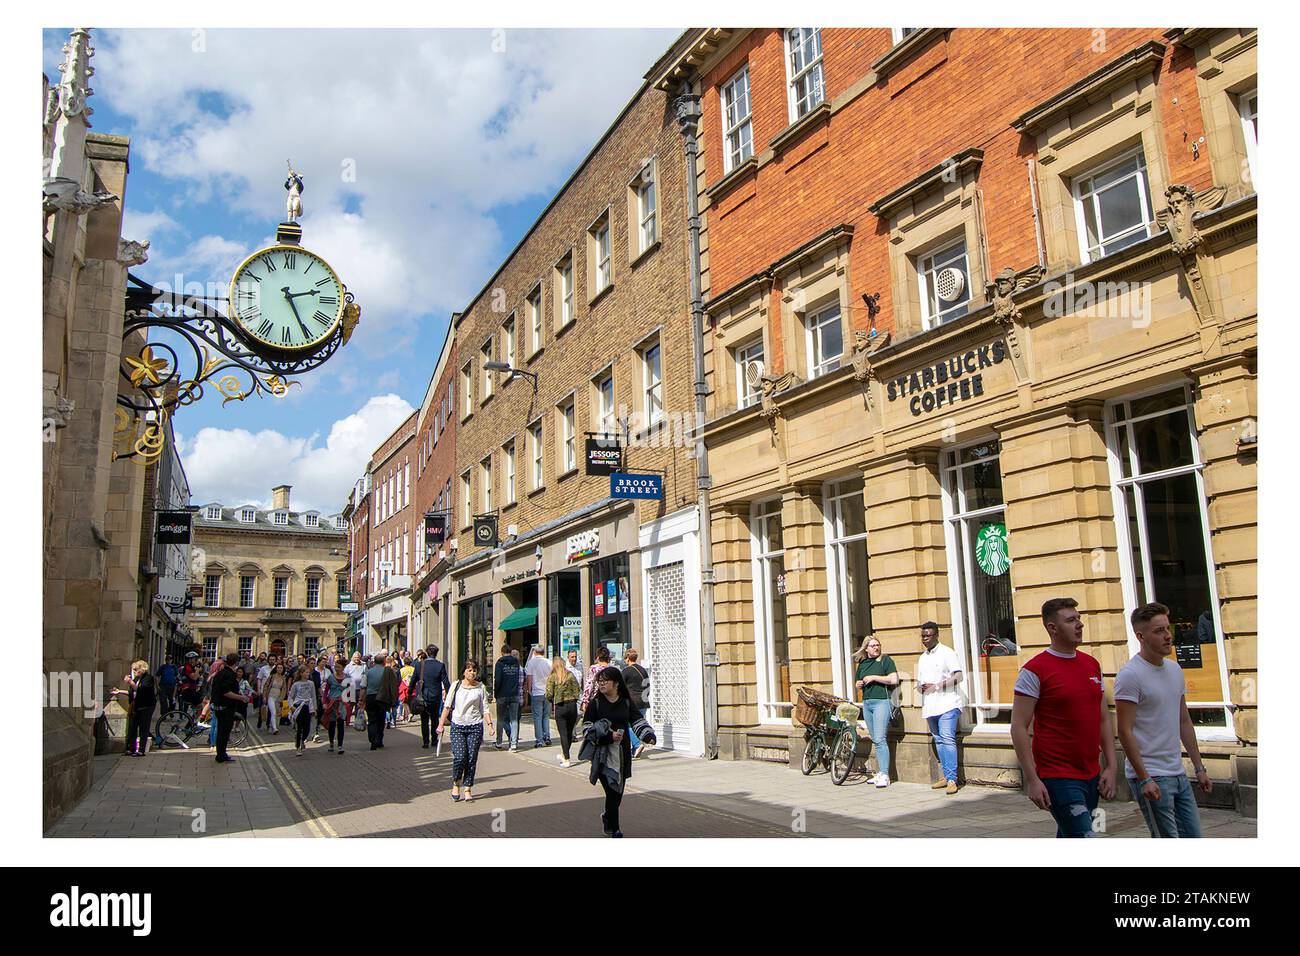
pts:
[270, 578]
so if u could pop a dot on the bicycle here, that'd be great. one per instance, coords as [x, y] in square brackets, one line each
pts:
[176, 728]
[830, 733]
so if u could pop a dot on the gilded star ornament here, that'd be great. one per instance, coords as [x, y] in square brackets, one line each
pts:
[146, 367]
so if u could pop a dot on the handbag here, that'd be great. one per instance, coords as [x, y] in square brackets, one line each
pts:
[359, 719]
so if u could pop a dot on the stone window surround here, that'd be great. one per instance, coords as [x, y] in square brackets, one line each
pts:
[635, 253]
[738, 319]
[467, 390]
[639, 404]
[535, 294]
[593, 410]
[558, 325]
[930, 211]
[487, 353]
[510, 475]
[606, 219]
[1227, 65]
[816, 277]
[1105, 114]
[536, 441]
[569, 400]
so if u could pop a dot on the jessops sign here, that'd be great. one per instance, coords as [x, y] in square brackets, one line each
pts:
[957, 378]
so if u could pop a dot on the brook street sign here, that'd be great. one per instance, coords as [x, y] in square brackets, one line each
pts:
[624, 484]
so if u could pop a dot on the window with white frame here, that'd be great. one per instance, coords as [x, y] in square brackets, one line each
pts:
[508, 342]
[467, 389]
[508, 454]
[1113, 206]
[406, 483]
[281, 517]
[248, 516]
[485, 483]
[943, 277]
[209, 647]
[534, 309]
[312, 521]
[647, 206]
[771, 634]
[245, 645]
[825, 340]
[466, 504]
[1162, 531]
[1248, 106]
[487, 375]
[902, 33]
[247, 589]
[606, 423]
[565, 271]
[803, 47]
[312, 644]
[313, 593]
[281, 591]
[846, 576]
[653, 382]
[737, 122]
[568, 436]
[535, 451]
[979, 578]
[600, 255]
[212, 590]
[749, 369]
[213, 513]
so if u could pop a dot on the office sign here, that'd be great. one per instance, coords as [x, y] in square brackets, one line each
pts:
[626, 485]
[604, 456]
[173, 527]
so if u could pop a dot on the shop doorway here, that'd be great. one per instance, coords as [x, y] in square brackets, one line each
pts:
[611, 605]
[277, 648]
[564, 602]
[474, 637]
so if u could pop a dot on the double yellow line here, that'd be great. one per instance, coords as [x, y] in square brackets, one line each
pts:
[316, 824]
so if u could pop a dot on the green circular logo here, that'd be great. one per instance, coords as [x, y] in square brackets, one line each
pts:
[991, 549]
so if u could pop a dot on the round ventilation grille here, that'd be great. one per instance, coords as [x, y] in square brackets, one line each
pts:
[948, 284]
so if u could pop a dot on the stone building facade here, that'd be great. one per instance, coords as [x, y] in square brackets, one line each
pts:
[592, 306]
[269, 578]
[973, 344]
[357, 515]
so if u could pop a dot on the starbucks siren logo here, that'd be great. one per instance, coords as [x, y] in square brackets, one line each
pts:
[991, 549]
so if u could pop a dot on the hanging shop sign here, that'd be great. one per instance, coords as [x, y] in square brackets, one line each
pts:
[604, 456]
[347, 605]
[173, 527]
[435, 530]
[582, 545]
[957, 378]
[991, 549]
[627, 485]
[485, 531]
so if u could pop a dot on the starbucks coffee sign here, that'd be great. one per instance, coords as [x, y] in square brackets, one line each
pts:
[991, 551]
[956, 379]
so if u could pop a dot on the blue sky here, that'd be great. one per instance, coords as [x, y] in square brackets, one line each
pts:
[426, 155]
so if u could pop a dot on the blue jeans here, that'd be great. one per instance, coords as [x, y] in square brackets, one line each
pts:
[508, 720]
[1175, 814]
[541, 718]
[1073, 802]
[944, 731]
[876, 713]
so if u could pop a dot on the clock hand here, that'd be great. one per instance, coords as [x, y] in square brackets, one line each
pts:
[288, 298]
[308, 292]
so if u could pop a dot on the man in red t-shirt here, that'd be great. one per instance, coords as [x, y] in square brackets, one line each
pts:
[1061, 693]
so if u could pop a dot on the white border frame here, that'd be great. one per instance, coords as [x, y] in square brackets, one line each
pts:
[841, 652]
[763, 617]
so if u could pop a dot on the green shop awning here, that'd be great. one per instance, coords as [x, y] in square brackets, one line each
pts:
[524, 617]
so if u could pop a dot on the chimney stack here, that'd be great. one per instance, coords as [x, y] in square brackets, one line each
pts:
[280, 497]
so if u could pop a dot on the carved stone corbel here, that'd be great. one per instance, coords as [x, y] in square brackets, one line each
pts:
[769, 387]
[131, 253]
[865, 345]
[1178, 219]
[1006, 313]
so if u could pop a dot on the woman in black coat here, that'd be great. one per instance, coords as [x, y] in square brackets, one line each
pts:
[610, 714]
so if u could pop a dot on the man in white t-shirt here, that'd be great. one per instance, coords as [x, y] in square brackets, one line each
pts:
[356, 670]
[939, 677]
[536, 671]
[1155, 727]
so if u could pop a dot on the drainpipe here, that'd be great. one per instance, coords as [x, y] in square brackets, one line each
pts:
[688, 117]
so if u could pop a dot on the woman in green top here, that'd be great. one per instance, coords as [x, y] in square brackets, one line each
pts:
[876, 677]
[563, 691]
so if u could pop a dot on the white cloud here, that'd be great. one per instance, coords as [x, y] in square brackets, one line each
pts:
[441, 129]
[138, 224]
[236, 466]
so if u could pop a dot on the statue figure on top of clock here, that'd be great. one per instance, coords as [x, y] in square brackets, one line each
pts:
[294, 186]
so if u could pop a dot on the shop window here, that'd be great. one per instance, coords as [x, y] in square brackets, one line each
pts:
[737, 124]
[1113, 206]
[803, 46]
[979, 579]
[846, 576]
[475, 637]
[1163, 534]
[770, 631]
[944, 279]
[825, 340]
[749, 370]
[611, 605]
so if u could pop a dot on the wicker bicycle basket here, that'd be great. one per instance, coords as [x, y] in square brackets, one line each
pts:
[813, 706]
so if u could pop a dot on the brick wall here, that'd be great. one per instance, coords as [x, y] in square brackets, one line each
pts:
[438, 460]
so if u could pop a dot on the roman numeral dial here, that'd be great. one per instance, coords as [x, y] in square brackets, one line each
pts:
[286, 299]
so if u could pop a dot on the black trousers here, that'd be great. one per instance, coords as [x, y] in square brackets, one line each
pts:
[429, 719]
[338, 725]
[376, 711]
[303, 730]
[612, 800]
[137, 727]
[566, 718]
[225, 722]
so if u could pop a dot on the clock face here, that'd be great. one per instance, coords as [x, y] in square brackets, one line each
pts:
[287, 298]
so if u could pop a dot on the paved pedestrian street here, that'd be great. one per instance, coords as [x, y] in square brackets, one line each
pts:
[403, 791]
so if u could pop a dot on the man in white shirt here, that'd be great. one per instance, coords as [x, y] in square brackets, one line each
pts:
[356, 670]
[1154, 728]
[536, 671]
[939, 677]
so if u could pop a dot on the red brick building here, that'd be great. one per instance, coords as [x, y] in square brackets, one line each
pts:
[391, 544]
